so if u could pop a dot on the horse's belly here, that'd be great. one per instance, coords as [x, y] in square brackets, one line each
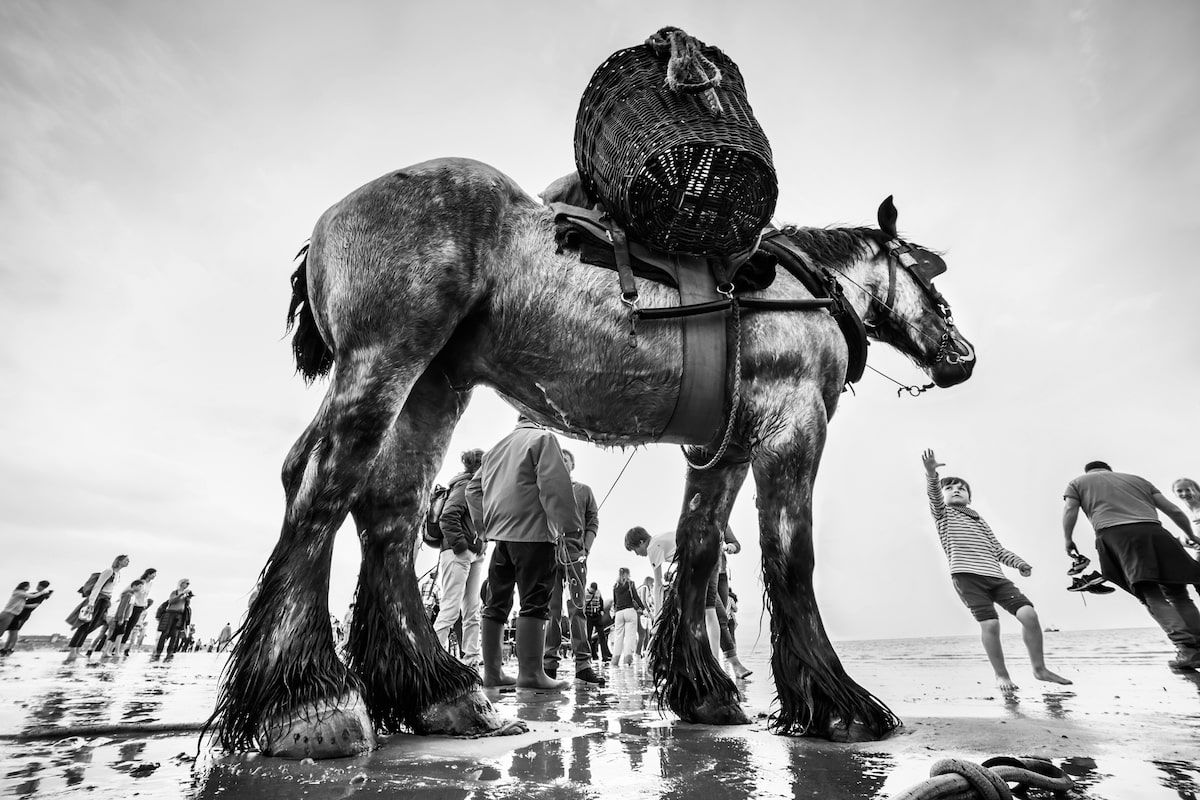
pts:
[590, 391]
[567, 354]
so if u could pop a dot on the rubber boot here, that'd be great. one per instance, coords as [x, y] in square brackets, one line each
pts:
[491, 646]
[531, 646]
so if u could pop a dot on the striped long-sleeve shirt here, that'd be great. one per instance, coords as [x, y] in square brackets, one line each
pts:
[969, 543]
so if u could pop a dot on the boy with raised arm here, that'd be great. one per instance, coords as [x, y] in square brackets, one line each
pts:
[975, 557]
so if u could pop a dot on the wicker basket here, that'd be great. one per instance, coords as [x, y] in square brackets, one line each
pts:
[674, 173]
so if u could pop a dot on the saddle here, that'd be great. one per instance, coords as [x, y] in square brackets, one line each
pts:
[708, 288]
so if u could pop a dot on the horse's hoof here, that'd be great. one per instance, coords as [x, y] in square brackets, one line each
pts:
[322, 730]
[713, 712]
[469, 714]
[839, 731]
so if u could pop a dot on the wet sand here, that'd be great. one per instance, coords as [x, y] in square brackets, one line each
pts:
[1128, 728]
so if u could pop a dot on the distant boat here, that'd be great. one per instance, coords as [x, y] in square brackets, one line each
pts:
[1050, 630]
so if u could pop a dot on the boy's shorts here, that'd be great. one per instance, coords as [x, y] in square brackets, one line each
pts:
[980, 593]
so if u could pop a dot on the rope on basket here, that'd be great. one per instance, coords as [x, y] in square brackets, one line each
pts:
[965, 780]
[688, 71]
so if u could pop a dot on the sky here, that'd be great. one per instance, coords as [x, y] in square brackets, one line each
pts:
[162, 163]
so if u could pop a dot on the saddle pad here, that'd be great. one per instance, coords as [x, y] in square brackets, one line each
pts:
[578, 230]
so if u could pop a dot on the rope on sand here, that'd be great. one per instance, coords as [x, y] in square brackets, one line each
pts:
[958, 779]
[66, 732]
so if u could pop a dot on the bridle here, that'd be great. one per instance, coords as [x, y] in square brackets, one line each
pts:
[923, 266]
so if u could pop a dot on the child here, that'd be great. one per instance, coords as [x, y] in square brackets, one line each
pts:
[975, 557]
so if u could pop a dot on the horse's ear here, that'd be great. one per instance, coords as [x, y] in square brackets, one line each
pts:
[887, 217]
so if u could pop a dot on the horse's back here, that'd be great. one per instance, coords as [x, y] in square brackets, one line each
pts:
[415, 236]
[460, 194]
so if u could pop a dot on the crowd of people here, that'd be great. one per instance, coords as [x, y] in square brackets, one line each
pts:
[116, 626]
[541, 524]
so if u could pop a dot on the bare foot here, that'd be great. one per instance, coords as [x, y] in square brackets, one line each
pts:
[1005, 684]
[1044, 674]
[740, 670]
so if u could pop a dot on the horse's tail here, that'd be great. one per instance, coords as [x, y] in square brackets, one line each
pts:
[313, 356]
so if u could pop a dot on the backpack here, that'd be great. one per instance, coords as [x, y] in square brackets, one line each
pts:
[431, 534]
[162, 609]
[432, 531]
[89, 584]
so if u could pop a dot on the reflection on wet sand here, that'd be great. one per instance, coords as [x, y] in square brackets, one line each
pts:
[612, 742]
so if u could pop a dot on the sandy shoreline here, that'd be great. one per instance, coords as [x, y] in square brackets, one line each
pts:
[1128, 728]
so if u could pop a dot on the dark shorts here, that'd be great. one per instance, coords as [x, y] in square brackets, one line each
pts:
[981, 594]
[1143, 552]
[530, 568]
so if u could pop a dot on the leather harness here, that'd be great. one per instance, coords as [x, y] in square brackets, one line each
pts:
[708, 290]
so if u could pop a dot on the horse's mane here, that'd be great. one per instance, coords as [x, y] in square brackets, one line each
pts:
[834, 246]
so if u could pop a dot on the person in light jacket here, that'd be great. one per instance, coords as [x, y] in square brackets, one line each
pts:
[523, 501]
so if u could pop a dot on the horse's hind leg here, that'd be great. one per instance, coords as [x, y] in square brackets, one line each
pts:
[688, 676]
[285, 691]
[408, 677]
[816, 696]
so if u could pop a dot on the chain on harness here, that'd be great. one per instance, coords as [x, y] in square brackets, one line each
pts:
[735, 401]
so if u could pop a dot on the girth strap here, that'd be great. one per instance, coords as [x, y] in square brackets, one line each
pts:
[699, 410]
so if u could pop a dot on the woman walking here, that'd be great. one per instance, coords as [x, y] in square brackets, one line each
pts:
[121, 618]
[13, 628]
[141, 601]
[94, 609]
[174, 620]
[626, 606]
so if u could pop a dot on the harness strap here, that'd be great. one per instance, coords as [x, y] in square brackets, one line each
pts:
[891, 295]
[620, 242]
[747, 304]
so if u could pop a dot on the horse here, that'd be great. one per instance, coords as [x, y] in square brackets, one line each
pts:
[445, 275]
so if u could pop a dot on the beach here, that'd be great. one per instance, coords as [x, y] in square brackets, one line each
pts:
[1128, 728]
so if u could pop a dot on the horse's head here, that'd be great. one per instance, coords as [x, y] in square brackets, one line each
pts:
[909, 313]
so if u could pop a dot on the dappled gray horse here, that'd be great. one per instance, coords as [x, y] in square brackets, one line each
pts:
[445, 275]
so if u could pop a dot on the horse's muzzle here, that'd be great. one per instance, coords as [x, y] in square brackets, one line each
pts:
[956, 366]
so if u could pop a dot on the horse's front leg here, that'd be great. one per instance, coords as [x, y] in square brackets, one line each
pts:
[688, 677]
[816, 696]
[408, 677]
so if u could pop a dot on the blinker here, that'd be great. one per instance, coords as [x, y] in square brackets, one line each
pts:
[924, 265]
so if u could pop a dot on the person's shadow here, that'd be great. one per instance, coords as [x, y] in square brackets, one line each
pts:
[1191, 676]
